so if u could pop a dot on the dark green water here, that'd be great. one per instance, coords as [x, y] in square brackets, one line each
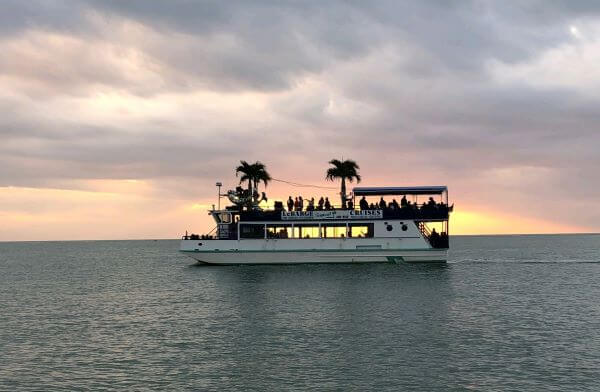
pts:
[508, 313]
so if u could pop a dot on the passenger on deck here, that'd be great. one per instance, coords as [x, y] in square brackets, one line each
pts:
[444, 243]
[403, 201]
[434, 238]
[311, 204]
[395, 205]
[431, 202]
[321, 202]
[296, 204]
[327, 204]
[382, 203]
[350, 205]
[364, 205]
[300, 203]
[372, 206]
[283, 233]
[290, 203]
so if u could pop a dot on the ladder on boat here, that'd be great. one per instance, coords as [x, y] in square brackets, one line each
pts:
[425, 232]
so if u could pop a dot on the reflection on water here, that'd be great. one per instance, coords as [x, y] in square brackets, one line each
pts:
[506, 313]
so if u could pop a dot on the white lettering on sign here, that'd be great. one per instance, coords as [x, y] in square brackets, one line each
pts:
[331, 214]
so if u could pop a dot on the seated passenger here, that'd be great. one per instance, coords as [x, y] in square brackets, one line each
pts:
[372, 206]
[321, 202]
[395, 204]
[283, 233]
[350, 205]
[290, 203]
[364, 205]
[327, 204]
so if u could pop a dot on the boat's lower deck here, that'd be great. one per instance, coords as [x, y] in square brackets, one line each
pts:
[383, 241]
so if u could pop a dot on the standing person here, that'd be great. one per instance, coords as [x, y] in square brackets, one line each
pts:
[327, 204]
[321, 202]
[350, 205]
[311, 204]
[290, 203]
[403, 201]
[382, 203]
[364, 205]
[300, 203]
[296, 204]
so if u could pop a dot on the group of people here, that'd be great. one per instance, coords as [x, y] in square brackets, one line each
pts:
[438, 240]
[394, 205]
[297, 204]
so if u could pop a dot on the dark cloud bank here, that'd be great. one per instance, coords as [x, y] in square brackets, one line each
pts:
[408, 82]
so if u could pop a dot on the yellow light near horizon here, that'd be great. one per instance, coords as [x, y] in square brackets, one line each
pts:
[122, 209]
[487, 222]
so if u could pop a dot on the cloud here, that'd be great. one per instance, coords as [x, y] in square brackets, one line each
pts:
[497, 100]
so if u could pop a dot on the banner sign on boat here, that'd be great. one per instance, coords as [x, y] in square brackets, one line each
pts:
[331, 214]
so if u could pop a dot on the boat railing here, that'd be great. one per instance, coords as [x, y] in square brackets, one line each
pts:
[192, 236]
[425, 232]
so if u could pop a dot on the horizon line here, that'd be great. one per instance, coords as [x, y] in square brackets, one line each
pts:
[173, 239]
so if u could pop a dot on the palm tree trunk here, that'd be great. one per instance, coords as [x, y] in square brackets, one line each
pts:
[250, 192]
[343, 194]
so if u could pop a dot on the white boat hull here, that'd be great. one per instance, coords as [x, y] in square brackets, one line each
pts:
[333, 256]
[407, 245]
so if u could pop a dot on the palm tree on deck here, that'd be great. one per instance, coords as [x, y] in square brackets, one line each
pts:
[254, 173]
[247, 171]
[344, 170]
[260, 175]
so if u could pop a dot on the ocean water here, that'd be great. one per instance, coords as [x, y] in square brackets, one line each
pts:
[507, 313]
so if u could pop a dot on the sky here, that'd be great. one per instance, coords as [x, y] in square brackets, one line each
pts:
[118, 117]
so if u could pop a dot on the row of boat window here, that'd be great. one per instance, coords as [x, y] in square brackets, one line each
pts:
[339, 230]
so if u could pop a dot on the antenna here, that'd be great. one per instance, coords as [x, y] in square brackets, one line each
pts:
[219, 185]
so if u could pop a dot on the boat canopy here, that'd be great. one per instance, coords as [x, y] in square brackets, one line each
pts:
[399, 190]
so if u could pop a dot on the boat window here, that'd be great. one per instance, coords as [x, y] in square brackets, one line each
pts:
[279, 231]
[306, 231]
[252, 231]
[360, 230]
[334, 230]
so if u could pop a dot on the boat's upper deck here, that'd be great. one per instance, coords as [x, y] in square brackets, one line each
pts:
[407, 207]
[413, 212]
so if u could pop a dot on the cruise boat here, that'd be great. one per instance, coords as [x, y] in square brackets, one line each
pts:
[371, 229]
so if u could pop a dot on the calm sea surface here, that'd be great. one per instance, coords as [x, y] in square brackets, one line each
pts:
[507, 313]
